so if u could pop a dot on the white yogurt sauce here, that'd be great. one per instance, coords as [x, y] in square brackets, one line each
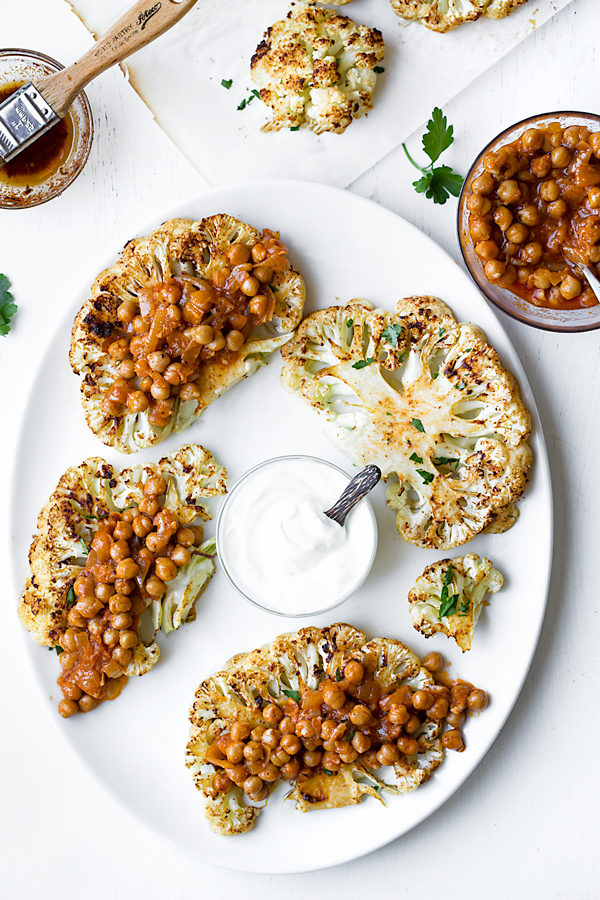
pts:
[281, 550]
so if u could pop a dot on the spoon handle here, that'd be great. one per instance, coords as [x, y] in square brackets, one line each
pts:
[363, 482]
[140, 25]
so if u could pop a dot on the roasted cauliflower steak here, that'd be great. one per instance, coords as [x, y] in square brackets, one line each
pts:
[84, 496]
[179, 248]
[279, 673]
[426, 399]
[444, 15]
[316, 69]
[450, 594]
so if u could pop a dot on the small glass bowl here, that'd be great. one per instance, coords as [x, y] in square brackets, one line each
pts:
[20, 66]
[563, 320]
[222, 555]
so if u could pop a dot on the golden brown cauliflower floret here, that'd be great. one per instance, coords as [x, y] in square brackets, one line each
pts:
[450, 594]
[315, 69]
[255, 689]
[427, 400]
[444, 15]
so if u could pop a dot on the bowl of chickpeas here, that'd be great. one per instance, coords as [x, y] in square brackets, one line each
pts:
[529, 221]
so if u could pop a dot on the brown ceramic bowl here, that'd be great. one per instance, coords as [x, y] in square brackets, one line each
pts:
[20, 66]
[566, 320]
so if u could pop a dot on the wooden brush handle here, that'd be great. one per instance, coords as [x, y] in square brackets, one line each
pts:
[145, 21]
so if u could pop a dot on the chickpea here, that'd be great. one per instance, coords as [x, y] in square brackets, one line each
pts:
[71, 691]
[477, 203]
[509, 191]
[155, 588]
[279, 757]
[264, 273]
[67, 708]
[509, 276]
[291, 744]
[484, 184]
[516, 234]
[259, 253]
[477, 701]
[202, 334]
[407, 745]
[434, 662]
[254, 750]
[128, 515]
[257, 733]
[459, 694]
[594, 141]
[532, 140]
[312, 699]
[528, 214]
[388, 754]
[258, 305]
[238, 254]
[253, 785]
[413, 723]
[305, 729]
[480, 228]
[127, 568]
[287, 725]
[198, 531]
[560, 157]
[238, 774]
[570, 287]
[452, 740]
[76, 619]
[549, 190]
[398, 714]
[503, 217]
[541, 165]
[119, 349]
[87, 703]
[127, 639]
[149, 506]
[137, 402]
[222, 783]
[361, 742]
[532, 253]
[271, 738]
[175, 374]
[557, 209]
[291, 769]
[494, 269]
[439, 709]
[360, 715]
[158, 361]
[347, 753]
[250, 286]
[457, 720]
[126, 311]
[240, 731]
[331, 761]
[234, 340]
[142, 526]
[122, 655]
[218, 342]
[235, 752]
[161, 390]
[269, 772]
[493, 161]
[593, 198]
[165, 568]
[487, 249]
[422, 699]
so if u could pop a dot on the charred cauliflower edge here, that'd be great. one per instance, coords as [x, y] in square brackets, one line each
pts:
[315, 69]
[89, 492]
[426, 399]
[450, 594]
[445, 15]
[297, 662]
[178, 247]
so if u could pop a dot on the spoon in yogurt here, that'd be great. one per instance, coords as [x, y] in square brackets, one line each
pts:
[357, 488]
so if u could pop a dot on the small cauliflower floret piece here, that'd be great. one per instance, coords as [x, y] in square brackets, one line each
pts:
[450, 594]
[444, 15]
[315, 69]
[427, 400]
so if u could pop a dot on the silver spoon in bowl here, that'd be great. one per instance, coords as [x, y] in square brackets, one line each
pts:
[363, 482]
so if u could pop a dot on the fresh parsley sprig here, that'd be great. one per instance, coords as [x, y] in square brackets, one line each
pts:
[449, 602]
[7, 307]
[437, 183]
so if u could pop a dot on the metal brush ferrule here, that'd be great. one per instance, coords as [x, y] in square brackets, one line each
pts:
[24, 117]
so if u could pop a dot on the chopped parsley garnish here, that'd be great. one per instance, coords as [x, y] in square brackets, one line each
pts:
[350, 736]
[392, 334]
[243, 104]
[7, 307]
[293, 695]
[378, 69]
[416, 423]
[349, 323]
[71, 597]
[226, 82]
[437, 183]
[415, 458]
[436, 375]
[294, 128]
[426, 476]
[84, 545]
[446, 461]
[338, 674]
[363, 362]
[441, 332]
[463, 609]
[327, 772]
[58, 649]
[448, 602]
[461, 385]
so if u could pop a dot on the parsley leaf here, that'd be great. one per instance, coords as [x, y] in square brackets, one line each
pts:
[338, 674]
[463, 609]
[461, 386]
[58, 649]
[416, 423]
[436, 183]
[448, 603]
[226, 82]
[7, 307]
[426, 476]
[350, 736]
[446, 461]
[378, 69]
[349, 323]
[327, 772]
[391, 334]
[415, 458]
[294, 128]
[439, 135]
[293, 695]
[436, 375]
[71, 597]
[363, 362]
[242, 104]
[84, 545]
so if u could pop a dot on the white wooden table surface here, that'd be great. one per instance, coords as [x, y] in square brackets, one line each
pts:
[526, 823]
